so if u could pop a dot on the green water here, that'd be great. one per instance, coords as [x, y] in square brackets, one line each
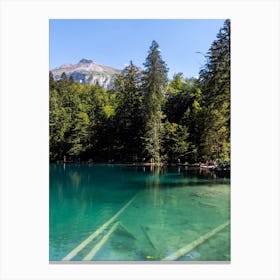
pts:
[172, 208]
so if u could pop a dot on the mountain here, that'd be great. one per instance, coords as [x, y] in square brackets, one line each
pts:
[88, 72]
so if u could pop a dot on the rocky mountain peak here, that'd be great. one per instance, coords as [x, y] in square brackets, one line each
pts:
[86, 71]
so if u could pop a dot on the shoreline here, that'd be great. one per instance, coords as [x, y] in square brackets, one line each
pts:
[148, 164]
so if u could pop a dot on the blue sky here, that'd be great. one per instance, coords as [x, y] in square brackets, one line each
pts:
[116, 42]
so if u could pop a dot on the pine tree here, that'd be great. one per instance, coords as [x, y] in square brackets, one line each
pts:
[129, 117]
[154, 88]
[215, 80]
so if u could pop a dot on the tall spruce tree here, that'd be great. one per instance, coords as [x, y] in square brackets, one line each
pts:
[154, 88]
[129, 117]
[215, 80]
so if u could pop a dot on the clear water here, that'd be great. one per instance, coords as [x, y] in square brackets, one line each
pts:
[173, 207]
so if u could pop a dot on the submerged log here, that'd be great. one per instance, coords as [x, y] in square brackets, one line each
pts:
[95, 234]
[101, 243]
[186, 249]
[127, 231]
[148, 237]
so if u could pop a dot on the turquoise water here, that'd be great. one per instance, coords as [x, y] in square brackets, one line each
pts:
[164, 210]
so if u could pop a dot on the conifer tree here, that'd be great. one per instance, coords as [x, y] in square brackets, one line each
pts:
[215, 80]
[154, 88]
[129, 117]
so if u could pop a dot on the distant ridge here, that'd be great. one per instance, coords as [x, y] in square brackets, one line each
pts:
[87, 71]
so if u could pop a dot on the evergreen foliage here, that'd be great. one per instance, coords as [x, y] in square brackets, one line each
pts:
[154, 89]
[215, 82]
[129, 115]
[146, 116]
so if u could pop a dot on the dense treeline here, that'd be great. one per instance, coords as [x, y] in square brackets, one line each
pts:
[145, 116]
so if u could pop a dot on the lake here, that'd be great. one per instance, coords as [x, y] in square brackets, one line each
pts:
[128, 213]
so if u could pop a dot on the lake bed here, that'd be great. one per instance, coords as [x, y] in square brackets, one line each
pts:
[149, 213]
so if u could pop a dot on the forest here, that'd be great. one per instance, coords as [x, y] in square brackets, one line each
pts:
[146, 117]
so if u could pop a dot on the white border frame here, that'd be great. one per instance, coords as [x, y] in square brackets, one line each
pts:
[24, 137]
